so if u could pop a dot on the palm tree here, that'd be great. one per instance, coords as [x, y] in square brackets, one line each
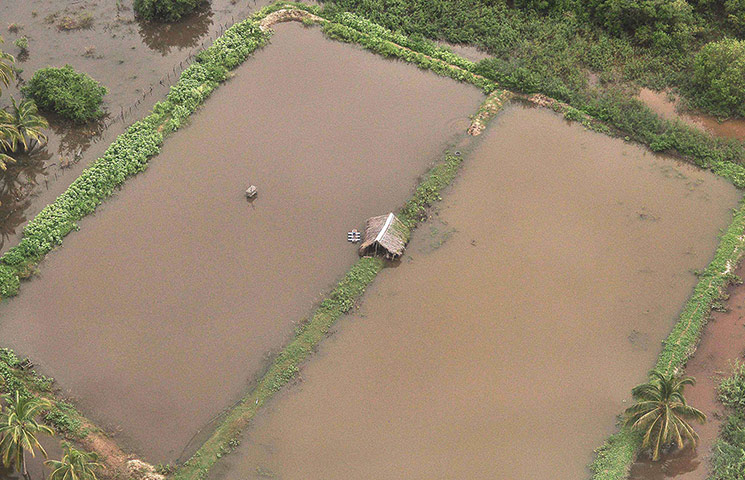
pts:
[19, 430]
[75, 465]
[8, 139]
[6, 68]
[27, 122]
[662, 414]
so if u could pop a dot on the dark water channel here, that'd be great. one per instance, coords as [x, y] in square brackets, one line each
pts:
[162, 309]
[508, 339]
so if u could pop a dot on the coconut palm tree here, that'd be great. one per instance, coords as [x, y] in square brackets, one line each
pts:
[19, 430]
[661, 412]
[27, 122]
[8, 139]
[7, 73]
[75, 465]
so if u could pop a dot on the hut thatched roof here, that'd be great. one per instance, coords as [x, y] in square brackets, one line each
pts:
[385, 234]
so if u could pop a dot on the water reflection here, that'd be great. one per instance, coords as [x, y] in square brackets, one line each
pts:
[16, 185]
[675, 463]
[162, 37]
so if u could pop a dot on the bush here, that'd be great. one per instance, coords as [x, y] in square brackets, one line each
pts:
[164, 10]
[728, 455]
[664, 24]
[718, 79]
[66, 92]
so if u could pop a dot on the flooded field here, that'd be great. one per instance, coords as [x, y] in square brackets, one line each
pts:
[723, 341]
[508, 339]
[160, 312]
[662, 105]
[135, 60]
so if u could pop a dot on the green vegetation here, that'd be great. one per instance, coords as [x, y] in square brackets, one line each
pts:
[66, 92]
[21, 128]
[75, 465]
[165, 10]
[7, 73]
[19, 430]
[718, 81]
[23, 125]
[728, 455]
[22, 44]
[662, 414]
[350, 28]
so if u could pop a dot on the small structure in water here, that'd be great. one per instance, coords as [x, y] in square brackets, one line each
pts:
[386, 235]
[251, 191]
[353, 236]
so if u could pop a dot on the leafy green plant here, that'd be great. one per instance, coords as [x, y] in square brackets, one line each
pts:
[7, 73]
[74, 465]
[22, 44]
[165, 10]
[728, 454]
[718, 80]
[23, 125]
[662, 414]
[66, 92]
[19, 430]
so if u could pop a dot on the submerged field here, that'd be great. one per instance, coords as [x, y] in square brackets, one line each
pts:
[508, 339]
[169, 302]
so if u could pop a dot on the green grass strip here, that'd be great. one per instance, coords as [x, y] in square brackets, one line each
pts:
[615, 456]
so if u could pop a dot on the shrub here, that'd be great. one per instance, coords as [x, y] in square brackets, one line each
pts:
[663, 24]
[718, 80]
[64, 91]
[164, 10]
[728, 455]
[22, 44]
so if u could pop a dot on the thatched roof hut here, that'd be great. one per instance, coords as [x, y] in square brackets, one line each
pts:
[384, 234]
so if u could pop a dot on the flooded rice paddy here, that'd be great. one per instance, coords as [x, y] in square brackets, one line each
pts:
[161, 311]
[509, 337]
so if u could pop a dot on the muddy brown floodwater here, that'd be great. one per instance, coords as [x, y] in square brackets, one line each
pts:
[723, 341]
[662, 105]
[507, 341]
[160, 312]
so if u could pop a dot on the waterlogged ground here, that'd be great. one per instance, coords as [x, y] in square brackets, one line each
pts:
[508, 339]
[135, 60]
[158, 314]
[664, 106]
